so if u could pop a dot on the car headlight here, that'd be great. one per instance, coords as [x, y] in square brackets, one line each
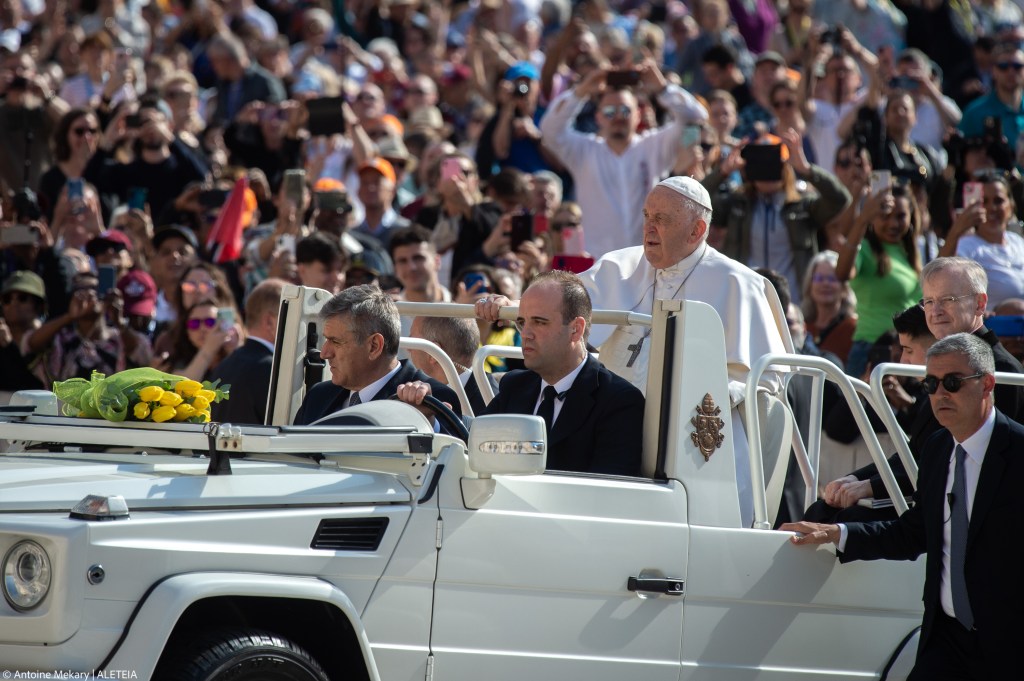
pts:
[26, 575]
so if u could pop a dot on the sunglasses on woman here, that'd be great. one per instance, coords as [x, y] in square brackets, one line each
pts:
[191, 287]
[208, 322]
[951, 382]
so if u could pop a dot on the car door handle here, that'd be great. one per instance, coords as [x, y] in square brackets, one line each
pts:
[661, 585]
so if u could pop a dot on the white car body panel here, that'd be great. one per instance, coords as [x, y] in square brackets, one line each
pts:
[529, 577]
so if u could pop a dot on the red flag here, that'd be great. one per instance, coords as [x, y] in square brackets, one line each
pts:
[225, 241]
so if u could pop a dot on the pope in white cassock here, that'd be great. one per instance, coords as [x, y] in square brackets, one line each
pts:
[676, 262]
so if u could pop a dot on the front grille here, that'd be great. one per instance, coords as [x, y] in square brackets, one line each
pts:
[349, 534]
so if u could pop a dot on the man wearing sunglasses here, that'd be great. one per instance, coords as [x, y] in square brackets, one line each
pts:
[966, 508]
[1006, 100]
[954, 302]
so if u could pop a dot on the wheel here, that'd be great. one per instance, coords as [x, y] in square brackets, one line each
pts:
[445, 414]
[236, 655]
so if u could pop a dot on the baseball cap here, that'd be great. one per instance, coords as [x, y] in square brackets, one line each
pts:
[366, 262]
[112, 238]
[381, 166]
[690, 188]
[392, 148]
[770, 56]
[164, 233]
[26, 282]
[458, 73]
[139, 292]
[522, 69]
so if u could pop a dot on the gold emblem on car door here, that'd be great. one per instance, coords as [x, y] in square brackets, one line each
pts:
[708, 435]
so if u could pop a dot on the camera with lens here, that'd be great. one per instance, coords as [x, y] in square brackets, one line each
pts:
[521, 89]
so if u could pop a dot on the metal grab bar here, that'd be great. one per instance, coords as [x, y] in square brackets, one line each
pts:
[612, 317]
[849, 392]
[451, 374]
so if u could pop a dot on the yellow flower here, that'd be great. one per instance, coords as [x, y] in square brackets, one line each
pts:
[183, 411]
[188, 387]
[200, 403]
[164, 413]
[151, 393]
[169, 399]
[205, 415]
[141, 411]
[208, 394]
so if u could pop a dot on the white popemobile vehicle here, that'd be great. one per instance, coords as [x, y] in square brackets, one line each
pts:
[373, 548]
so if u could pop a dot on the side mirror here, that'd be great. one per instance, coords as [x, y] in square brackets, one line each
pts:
[503, 444]
[506, 444]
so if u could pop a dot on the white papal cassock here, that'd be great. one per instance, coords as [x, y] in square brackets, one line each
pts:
[624, 280]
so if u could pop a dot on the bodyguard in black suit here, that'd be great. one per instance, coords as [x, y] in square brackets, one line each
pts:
[247, 370]
[595, 418]
[954, 301]
[361, 333]
[964, 519]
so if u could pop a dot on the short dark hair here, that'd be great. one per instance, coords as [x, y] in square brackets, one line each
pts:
[369, 311]
[719, 55]
[318, 247]
[779, 283]
[409, 236]
[575, 299]
[510, 183]
[912, 322]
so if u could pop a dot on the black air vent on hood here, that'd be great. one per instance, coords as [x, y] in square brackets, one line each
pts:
[349, 534]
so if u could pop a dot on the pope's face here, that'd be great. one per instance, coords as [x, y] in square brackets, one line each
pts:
[668, 230]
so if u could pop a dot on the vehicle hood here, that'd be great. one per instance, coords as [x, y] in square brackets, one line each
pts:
[56, 482]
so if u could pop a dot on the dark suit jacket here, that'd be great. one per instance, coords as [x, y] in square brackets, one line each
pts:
[247, 370]
[476, 400]
[599, 428]
[326, 398]
[994, 552]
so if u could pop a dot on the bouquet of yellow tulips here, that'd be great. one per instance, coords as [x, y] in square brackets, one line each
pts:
[142, 394]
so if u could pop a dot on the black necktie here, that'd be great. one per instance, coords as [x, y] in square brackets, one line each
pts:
[958, 543]
[354, 399]
[547, 407]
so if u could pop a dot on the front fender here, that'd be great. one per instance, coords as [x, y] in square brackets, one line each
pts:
[150, 627]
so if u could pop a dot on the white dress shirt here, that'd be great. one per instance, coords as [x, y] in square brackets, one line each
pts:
[561, 387]
[370, 391]
[975, 446]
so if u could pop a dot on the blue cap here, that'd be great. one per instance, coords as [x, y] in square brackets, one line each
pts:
[522, 69]
[455, 39]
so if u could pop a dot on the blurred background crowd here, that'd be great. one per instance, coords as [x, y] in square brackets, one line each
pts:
[161, 160]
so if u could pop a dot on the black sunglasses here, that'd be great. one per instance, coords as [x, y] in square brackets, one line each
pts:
[951, 382]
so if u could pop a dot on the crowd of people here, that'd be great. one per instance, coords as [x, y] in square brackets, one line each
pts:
[160, 160]
[168, 166]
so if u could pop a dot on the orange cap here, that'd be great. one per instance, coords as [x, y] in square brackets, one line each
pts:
[329, 184]
[768, 138]
[392, 122]
[381, 166]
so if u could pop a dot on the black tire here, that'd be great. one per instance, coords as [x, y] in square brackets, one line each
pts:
[237, 655]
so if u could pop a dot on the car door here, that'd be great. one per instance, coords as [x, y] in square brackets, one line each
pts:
[535, 584]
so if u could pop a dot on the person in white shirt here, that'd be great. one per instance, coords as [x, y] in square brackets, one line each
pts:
[614, 169]
[966, 502]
